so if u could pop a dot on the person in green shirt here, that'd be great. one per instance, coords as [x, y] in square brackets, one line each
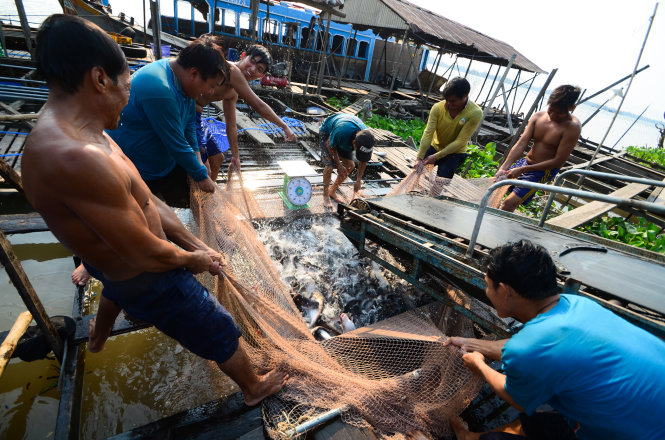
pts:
[449, 127]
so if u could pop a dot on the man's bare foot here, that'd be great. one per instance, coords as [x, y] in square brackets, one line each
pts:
[96, 341]
[327, 204]
[80, 276]
[268, 384]
[336, 197]
[462, 429]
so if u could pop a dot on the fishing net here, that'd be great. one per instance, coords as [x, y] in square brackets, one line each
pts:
[394, 376]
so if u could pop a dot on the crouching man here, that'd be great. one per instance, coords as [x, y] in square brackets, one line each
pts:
[603, 375]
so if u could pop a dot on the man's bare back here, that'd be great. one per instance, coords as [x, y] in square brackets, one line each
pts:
[78, 179]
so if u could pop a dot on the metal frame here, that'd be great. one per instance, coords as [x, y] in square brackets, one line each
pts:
[421, 254]
[621, 202]
[598, 174]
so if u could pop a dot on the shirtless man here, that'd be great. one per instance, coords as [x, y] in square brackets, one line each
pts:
[95, 202]
[554, 133]
[256, 62]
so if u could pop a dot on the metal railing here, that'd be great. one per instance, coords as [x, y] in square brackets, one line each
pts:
[621, 202]
[598, 174]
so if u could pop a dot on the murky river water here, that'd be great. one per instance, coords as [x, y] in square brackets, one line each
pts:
[144, 376]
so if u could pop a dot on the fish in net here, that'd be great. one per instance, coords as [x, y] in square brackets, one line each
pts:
[395, 378]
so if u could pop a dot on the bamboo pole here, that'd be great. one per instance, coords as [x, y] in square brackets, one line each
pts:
[19, 117]
[11, 341]
[623, 98]
[27, 293]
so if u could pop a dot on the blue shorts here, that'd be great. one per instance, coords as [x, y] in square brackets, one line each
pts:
[447, 165]
[538, 426]
[207, 144]
[326, 158]
[543, 176]
[179, 306]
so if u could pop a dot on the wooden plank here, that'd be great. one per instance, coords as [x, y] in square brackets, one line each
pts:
[226, 418]
[585, 213]
[310, 150]
[256, 135]
[657, 195]
[22, 223]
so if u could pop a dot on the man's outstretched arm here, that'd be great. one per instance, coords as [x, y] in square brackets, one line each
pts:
[475, 362]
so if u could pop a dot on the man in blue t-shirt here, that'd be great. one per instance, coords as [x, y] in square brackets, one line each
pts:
[157, 129]
[339, 136]
[604, 376]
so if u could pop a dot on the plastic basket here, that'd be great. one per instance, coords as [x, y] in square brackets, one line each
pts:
[218, 131]
[166, 50]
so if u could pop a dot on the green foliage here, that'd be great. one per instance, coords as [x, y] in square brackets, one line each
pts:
[401, 127]
[339, 103]
[480, 161]
[644, 234]
[653, 155]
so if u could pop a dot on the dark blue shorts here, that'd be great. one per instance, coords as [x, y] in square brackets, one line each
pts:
[326, 158]
[179, 306]
[447, 165]
[544, 176]
[549, 425]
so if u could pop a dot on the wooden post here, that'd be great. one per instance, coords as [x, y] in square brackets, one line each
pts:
[29, 296]
[469, 66]
[2, 41]
[399, 59]
[156, 29]
[253, 18]
[25, 26]
[10, 176]
[11, 341]
[326, 37]
[342, 71]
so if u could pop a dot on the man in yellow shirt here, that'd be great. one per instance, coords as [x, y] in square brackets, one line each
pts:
[449, 127]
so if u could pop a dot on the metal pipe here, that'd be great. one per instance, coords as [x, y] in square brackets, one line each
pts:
[527, 92]
[631, 126]
[624, 203]
[598, 174]
[623, 98]
[399, 60]
[580, 101]
[314, 422]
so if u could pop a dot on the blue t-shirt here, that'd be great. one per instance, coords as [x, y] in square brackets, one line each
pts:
[593, 367]
[339, 128]
[157, 128]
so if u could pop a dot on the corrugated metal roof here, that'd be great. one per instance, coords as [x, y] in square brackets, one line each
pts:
[395, 15]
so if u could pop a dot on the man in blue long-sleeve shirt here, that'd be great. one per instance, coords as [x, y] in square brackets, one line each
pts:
[157, 128]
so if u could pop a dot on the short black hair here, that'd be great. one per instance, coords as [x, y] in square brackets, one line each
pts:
[205, 54]
[264, 57]
[524, 266]
[458, 87]
[564, 97]
[69, 46]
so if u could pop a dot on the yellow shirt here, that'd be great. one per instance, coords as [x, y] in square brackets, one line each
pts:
[446, 134]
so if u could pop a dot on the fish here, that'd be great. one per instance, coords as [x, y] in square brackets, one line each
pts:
[347, 324]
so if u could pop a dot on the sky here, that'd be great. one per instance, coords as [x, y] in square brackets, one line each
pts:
[593, 43]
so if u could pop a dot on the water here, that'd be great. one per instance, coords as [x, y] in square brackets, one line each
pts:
[138, 378]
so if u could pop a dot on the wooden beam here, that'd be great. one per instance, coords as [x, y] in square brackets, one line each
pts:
[10, 176]
[22, 223]
[19, 117]
[585, 213]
